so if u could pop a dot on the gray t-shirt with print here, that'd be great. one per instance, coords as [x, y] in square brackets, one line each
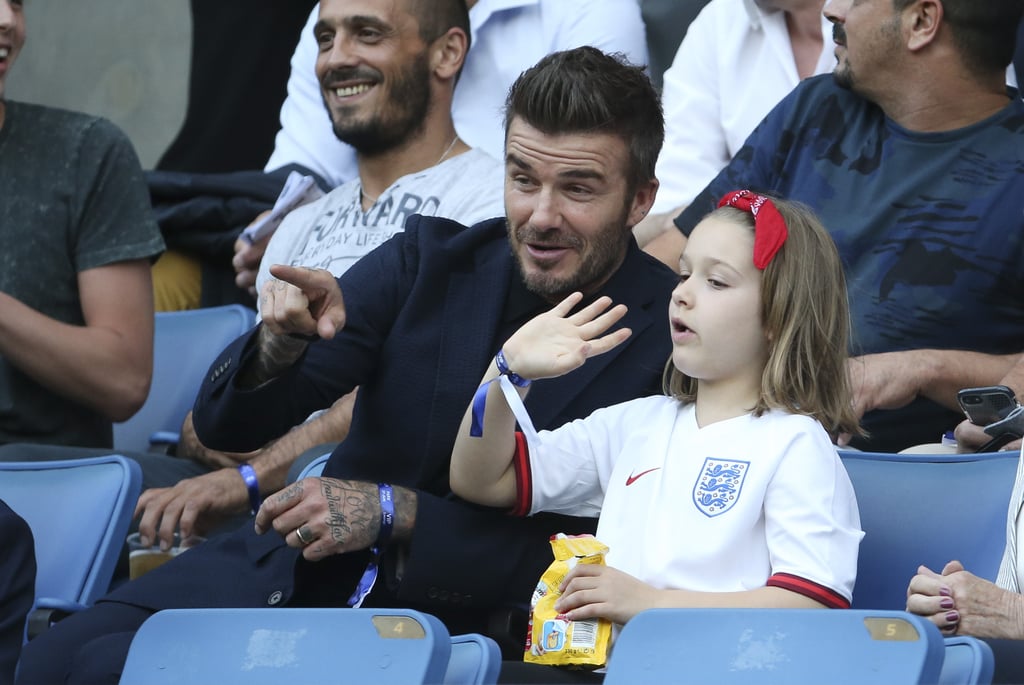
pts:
[334, 231]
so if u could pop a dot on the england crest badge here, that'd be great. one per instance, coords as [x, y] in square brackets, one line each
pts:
[718, 487]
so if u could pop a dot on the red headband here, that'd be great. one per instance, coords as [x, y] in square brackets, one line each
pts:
[769, 227]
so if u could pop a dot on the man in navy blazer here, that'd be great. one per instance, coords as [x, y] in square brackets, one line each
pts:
[414, 324]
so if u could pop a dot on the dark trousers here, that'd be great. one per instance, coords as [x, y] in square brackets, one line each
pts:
[83, 657]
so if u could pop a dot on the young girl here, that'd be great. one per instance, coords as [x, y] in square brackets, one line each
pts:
[725, 492]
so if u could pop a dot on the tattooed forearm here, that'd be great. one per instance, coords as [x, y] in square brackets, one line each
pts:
[276, 353]
[353, 512]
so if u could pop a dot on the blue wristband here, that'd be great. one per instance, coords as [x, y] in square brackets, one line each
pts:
[503, 369]
[387, 525]
[252, 485]
[387, 514]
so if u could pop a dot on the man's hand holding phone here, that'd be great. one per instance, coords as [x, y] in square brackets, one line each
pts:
[995, 409]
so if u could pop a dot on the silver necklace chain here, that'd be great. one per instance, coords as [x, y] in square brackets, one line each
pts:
[447, 150]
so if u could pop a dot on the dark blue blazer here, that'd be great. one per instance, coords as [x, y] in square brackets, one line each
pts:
[17, 587]
[423, 312]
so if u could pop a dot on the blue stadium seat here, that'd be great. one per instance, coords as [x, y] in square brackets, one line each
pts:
[315, 467]
[79, 511]
[271, 646]
[776, 647]
[475, 660]
[184, 346]
[908, 517]
[968, 661]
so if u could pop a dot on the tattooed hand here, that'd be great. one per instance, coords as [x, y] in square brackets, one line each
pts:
[301, 301]
[297, 306]
[325, 516]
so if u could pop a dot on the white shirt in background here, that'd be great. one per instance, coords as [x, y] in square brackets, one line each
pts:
[734, 64]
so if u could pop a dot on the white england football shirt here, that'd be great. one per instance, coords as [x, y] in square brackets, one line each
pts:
[728, 507]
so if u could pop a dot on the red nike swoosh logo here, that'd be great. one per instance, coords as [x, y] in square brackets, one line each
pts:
[632, 478]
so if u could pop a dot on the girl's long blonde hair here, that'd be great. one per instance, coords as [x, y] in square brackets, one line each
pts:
[806, 318]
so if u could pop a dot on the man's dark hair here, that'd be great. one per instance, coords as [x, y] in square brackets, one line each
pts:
[437, 16]
[985, 31]
[583, 90]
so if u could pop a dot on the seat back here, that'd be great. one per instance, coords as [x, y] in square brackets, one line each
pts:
[776, 647]
[475, 660]
[184, 346]
[271, 646]
[315, 467]
[79, 511]
[908, 519]
[968, 661]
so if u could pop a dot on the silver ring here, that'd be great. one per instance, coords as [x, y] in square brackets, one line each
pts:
[298, 534]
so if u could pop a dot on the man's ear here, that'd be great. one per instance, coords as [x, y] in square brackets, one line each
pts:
[921, 22]
[643, 200]
[447, 53]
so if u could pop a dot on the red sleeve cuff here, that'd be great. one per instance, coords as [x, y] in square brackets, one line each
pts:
[802, 586]
[524, 484]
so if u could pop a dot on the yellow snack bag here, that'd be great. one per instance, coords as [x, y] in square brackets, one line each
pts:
[551, 637]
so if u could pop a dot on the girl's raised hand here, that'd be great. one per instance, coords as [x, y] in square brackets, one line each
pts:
[556, 342]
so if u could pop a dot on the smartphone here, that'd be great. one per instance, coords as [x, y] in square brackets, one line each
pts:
[987, 404]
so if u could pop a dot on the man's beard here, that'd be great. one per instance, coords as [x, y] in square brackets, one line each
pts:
[841, 74]
[408, 102]
[843, 77]
[607, 249]
[875, 58]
